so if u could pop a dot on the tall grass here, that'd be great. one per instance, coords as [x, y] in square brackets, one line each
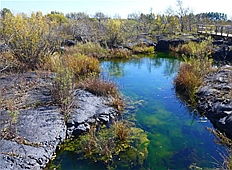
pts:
[79, 65]
[90, 49]
[190, 77]
[143, 49]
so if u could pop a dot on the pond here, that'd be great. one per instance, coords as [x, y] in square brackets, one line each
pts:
[178, 138]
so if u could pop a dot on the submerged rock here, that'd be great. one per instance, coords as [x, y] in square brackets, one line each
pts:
[215, 99]
[31, 133]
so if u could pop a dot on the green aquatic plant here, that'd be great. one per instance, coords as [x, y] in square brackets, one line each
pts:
[120, 145]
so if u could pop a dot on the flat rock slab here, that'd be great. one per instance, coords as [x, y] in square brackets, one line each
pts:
[89, 109]
[215, 99]
[38, 126]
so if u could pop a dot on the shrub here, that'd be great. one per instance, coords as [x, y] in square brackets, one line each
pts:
[90, 49]
[80, 65]
[95, 50]
[8, 62]
[120, 53]
[190, 77]
[114, 32]
[195, 49]
[29, 38]
[62, 90]
[142, 49]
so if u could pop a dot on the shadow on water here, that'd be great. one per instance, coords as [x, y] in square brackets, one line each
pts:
[177, 137]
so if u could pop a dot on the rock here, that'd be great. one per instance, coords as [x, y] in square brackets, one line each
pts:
[40, 126]
[68, 43]
[222, 53]
[88, 108]
[43, 129]
[215, 101]
[164, 44]
[4, 48]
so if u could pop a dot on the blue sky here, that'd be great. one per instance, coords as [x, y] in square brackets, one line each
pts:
[112, 7]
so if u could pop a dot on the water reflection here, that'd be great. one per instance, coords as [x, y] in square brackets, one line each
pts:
[177, 138]
[116, 68]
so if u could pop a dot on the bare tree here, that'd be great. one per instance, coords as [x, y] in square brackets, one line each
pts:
[182, 13]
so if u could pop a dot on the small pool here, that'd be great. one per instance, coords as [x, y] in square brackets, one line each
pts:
[178, 138]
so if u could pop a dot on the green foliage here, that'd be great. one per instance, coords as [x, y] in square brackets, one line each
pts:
[30, 39]
[114, 32]
[4, 12]
[120, 146]
[57, 18]
[194, 49]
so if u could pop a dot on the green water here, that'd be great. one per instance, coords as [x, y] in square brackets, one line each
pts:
[177, 137]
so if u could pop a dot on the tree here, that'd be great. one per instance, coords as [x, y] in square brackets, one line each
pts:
[57, 17]
[4, 12]
[114, 32]
[30, 39]
[77, 16]
[182, 13]
[100, 16]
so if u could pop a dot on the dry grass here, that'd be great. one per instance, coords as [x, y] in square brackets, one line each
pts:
[190, 77]
[142, 49]
[103, 88]
[80, 65]
[96, 51]
[63, 90]
[119, 53]
[99, 87]
[90, 49]
[9, 63]
[225, 141]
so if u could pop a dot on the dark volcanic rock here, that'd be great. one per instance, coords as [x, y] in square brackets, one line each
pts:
[164, 44]
[222, 53]
[215, 99]
[40, 127]
[89, 109]
[68, 43]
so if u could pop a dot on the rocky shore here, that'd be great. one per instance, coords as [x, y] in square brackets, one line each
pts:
[215, 99]
[32, 125]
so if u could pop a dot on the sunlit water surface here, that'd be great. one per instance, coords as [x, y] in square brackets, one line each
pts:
[178, 139]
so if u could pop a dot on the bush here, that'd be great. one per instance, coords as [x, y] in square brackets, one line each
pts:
[90, 49]
[62, 90]
[194, 49]
[142, 49]
[190, 77]
[120, 53]
[95, 50]
[8, 62]
[79, 65]
[30, 39]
